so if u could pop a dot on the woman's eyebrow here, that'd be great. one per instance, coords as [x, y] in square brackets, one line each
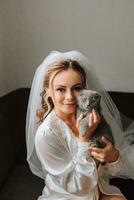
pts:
[60, 86]
[77, 84]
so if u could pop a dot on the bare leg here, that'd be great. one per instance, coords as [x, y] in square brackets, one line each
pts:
[111, 197]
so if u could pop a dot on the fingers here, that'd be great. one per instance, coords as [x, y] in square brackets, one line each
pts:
[98, 157]
[106, 154]
[97, 154]
[91, 120]
[95, 149]
[94, 119]
[79, 120]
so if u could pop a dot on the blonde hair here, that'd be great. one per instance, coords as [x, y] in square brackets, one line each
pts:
[53, 70]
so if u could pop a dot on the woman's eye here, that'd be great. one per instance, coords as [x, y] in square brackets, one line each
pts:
[60, 89]
[78, 89]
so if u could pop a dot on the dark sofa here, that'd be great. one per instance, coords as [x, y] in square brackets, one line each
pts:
[16, 180]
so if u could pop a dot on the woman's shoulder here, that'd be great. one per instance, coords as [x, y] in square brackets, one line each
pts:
[49, 125]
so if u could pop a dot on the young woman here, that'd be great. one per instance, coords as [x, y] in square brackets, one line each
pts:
[56, 151]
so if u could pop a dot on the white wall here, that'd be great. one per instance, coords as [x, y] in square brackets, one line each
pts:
[102, 29]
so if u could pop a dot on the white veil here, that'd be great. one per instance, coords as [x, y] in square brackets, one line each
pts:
[109, 111]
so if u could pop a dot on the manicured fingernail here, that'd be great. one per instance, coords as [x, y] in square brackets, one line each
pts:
[81, 115]
[90, 114]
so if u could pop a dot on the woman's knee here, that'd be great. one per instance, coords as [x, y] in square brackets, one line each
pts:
[121, 198]
[108, 197]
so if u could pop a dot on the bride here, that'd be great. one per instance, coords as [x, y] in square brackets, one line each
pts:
[55, 150]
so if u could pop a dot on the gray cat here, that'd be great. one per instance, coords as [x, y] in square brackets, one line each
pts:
[88, 100]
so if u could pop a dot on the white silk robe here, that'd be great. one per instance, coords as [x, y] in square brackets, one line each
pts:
[71, 172]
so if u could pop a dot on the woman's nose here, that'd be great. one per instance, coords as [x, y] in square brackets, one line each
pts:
[69, 95]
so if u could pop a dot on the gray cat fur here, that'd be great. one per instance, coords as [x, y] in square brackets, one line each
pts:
[88, 100]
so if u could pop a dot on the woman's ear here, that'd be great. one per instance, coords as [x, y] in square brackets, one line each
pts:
[48, 91]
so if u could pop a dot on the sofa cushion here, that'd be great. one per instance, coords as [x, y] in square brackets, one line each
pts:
[124, 101]
[13, 107]
[22, 185]
[7, 154]
[125, 185]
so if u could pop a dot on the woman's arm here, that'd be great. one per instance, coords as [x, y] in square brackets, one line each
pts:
[110, 156]
[76, 173]
[127, 169]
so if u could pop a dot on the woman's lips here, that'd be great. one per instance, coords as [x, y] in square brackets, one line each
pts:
[69, 104]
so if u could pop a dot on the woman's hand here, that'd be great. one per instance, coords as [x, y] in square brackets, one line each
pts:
[94, 120]
[106, 154]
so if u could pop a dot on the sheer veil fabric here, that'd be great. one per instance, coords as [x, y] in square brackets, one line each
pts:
[124, 137]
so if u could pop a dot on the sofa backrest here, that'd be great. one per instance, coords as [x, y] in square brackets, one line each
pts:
[13, 107]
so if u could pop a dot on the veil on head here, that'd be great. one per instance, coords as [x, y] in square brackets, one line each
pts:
[109, 110]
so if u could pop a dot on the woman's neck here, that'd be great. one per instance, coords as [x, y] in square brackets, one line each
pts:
[68, 118]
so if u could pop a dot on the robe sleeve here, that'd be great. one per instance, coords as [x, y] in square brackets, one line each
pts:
[77, 173]
[112, 168]
[127, 169]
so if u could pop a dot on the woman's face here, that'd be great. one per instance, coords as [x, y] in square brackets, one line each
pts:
[65, 87]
